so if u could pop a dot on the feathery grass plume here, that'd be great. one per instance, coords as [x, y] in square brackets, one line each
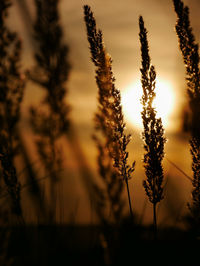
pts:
[190, 52]
[51, 73]
[189, 49]
[109, 121]
[153, 134]
[52, 68]
[12, 84]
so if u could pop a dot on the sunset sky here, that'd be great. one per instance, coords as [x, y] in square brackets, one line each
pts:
[119, 22]
[118, 19]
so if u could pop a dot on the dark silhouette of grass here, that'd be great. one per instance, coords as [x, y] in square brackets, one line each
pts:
[12, 84]
[190, 53]
[50, 73]
[111, 141]
[153, 134]
[110, 134]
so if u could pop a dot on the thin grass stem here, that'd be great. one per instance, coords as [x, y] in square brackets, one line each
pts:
[155, 221]
[129, 199]
[179, 169]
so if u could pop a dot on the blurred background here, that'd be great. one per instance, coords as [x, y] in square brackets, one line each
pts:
[119, 22]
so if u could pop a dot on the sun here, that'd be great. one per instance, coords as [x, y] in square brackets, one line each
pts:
[164, 102]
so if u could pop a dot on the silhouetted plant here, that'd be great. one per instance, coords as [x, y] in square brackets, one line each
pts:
[190, 52]
[12, 83]
[51, 73]
[153, 134]
[52, 69]
[109, 121]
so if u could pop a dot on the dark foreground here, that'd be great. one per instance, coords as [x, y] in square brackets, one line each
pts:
[86, 245]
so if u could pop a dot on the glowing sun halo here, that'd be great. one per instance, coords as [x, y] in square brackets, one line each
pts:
[164, 102]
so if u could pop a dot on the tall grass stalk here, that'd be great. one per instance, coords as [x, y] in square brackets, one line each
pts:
[12, 83]
[153, 134]
[190, 53]
[51, 73]
[109, 121]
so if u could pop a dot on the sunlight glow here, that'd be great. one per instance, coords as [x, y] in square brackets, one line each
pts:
[164, 102]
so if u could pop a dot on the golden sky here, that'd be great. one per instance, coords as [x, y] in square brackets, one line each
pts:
[118, 19]
[119, 22]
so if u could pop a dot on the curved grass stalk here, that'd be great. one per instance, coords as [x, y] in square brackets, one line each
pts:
[109, 121]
